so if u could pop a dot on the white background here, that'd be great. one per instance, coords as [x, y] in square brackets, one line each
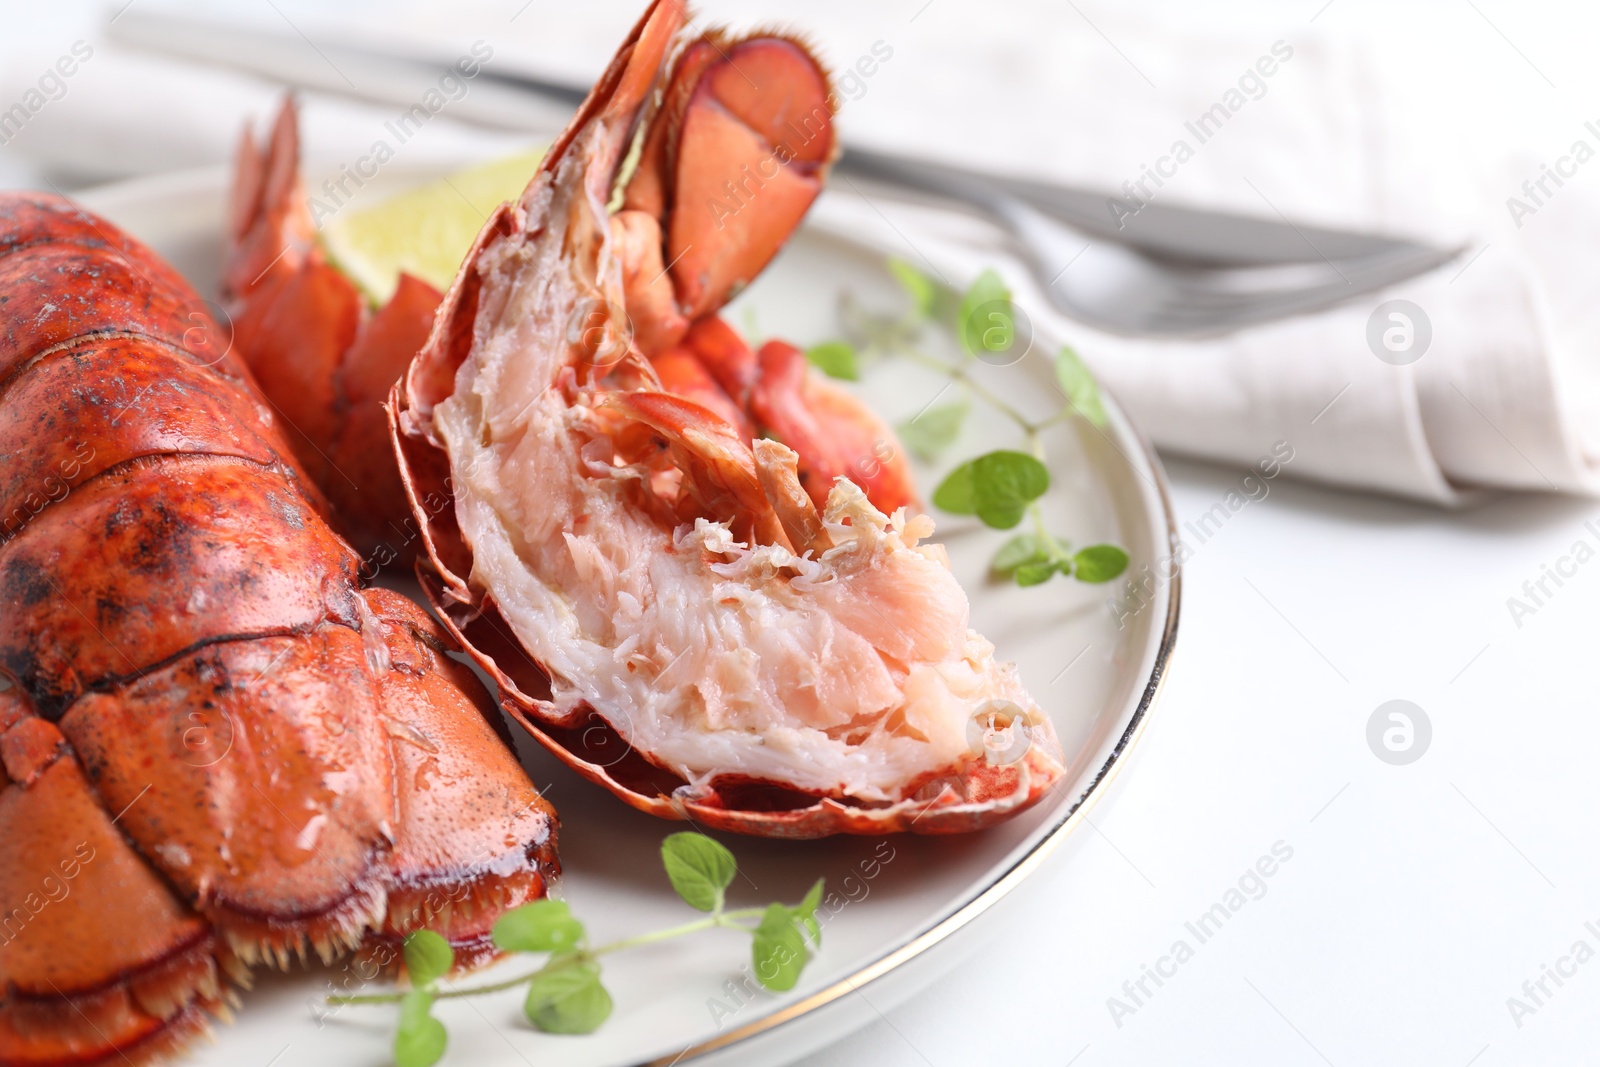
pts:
[1419, 898]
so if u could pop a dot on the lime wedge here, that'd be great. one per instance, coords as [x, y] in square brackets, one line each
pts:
[425, 231]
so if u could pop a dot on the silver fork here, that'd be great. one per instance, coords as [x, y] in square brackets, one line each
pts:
[1183, 273]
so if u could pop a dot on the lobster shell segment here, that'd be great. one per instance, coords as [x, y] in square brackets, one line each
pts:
[321, 359]
[662, 601]
[216, 749]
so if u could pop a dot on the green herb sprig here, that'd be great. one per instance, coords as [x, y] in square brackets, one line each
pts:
[1001, 488]
[565, 995]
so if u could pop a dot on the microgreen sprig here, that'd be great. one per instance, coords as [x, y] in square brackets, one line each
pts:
[565, 995]
[1001, 488]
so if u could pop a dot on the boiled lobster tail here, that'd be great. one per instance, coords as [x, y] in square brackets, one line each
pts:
[216, 749]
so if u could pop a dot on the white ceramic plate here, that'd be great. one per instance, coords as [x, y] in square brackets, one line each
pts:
[900, 910]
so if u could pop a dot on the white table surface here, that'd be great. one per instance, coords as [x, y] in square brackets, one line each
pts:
[1418, 898]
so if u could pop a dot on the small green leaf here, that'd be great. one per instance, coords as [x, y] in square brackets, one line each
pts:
[567, 998]
[699, 867]
[985, 322]
[1079, 386]
[428, 957]
[1099, 563]
[806, 913]
[836, 359]
[931, 432]
[924, 293]
[1004, 484]
[1021, 549]
[1001, 516]
[1035, 573]
[957, 494]
[997, 487]
[779, 951]
[543, 926]
[420, 1039]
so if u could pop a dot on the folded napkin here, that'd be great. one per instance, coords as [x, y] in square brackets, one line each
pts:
[1422, 123]
[1427, 120]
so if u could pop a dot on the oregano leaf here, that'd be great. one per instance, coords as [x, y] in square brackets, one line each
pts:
[1081, 390]
[1035, 573]
[985, 322]
[956, 493]
[806, 913]
[836, 359]
[778, 952]
[997, 487]
[1021, 549]
[922, 290]
[542, 926]
[420, 1039]
[1004, 484]
[1099, 563]
[930, 433]
[567, 998]
[700, 869]
[428, 957]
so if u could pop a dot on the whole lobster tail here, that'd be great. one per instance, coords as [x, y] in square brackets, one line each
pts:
[216, 750]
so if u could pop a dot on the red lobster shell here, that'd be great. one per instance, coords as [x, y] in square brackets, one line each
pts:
[216, 749]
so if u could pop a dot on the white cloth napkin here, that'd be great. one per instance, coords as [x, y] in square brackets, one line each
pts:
[1419, 121]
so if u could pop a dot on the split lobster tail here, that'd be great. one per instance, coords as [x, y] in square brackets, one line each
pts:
[689, 566]
[216, 750]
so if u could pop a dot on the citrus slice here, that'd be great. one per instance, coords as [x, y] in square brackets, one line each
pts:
[425, 231]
